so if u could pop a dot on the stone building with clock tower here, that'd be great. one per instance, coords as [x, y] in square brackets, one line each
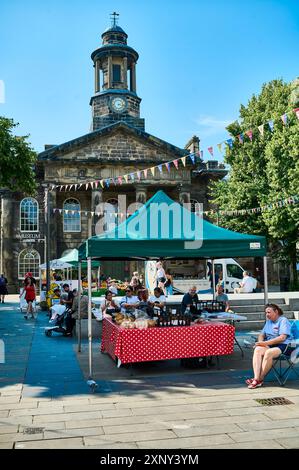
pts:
[117, 144]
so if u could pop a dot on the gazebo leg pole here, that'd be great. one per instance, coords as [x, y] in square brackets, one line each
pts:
[79, 306]
[213, 281]
[89, 318]
[265, 280]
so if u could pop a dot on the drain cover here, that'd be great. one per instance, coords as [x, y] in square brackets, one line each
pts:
[274, 401]
[33, 430]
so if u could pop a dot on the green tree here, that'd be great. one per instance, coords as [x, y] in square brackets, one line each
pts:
[17, 159]
[265, 170]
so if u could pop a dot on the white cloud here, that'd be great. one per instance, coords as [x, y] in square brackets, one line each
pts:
[209, 125]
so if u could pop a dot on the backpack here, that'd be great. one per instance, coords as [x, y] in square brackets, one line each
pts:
[2, 281]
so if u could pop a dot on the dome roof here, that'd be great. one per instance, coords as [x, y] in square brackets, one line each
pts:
[114, 29]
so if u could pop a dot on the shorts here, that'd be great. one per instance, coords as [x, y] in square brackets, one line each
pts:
[285, 348]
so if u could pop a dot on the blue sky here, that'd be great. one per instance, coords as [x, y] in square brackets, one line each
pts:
[199, 60]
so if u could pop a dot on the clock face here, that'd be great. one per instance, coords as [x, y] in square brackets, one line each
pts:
[118, 104]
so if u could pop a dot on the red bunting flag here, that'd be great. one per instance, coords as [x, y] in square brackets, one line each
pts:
[167, 166]
[176, 163]
[145, 173]
[210, 149]
[296, 111]
[249, 134]
[120, 181]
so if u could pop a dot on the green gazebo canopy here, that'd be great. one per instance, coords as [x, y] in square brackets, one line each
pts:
[162, 228]
[73, 258]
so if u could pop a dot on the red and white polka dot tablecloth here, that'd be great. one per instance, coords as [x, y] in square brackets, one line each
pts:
[155, 344]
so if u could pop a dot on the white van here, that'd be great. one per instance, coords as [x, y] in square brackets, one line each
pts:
[188, 273]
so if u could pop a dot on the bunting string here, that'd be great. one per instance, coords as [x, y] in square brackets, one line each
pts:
[291, 200]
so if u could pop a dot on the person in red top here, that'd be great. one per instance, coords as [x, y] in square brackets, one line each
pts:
[30, 296]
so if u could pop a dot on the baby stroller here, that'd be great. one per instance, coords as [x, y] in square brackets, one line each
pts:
[57, 320]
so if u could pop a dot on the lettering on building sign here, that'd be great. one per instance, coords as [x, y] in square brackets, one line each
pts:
[31, 237]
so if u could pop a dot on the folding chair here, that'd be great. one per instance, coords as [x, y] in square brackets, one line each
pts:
[281, 374]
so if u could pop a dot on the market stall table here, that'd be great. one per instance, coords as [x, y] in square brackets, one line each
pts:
[172, 342]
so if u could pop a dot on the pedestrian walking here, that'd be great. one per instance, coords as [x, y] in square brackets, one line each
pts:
[30, 296]
[3, 288]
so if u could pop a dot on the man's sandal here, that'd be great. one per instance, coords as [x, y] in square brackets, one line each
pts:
[255, 384]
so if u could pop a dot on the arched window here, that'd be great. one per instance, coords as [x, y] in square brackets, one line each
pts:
[29, 261]
[195, 206]
[71, 216]
[29, 215]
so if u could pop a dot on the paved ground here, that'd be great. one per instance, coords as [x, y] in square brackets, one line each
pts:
[46, 403]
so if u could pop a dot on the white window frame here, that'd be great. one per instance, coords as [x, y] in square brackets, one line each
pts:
[35, 202]
[64, 215]
[193, 202]
[35, 269]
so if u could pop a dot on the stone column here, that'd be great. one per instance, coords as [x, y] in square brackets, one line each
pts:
[96, 206]
[109, 72]
[97, 81]
[184, 194]
[53, 226]
[133, 77]
[125, 72]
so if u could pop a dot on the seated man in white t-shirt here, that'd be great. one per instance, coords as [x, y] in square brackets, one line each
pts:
[246, 285]
[129, 301]
[158, 299]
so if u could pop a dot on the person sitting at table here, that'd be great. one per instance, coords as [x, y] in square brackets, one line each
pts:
[109, 306]
[158, 299]
[129, 302]
[189, 299]
[247, 285]
[142, 295]
[222, 297]
[273, 340]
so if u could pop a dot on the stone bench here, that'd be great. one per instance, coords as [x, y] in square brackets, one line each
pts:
[95, 325]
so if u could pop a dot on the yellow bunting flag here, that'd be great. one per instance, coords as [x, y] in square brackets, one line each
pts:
[183, 160]
[153, 170]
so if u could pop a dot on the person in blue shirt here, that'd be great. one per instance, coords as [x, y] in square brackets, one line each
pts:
[273, 340]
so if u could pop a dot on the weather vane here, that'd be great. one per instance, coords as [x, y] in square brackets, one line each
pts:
[114, 18]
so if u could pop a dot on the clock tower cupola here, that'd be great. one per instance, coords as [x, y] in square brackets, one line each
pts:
[115, 97]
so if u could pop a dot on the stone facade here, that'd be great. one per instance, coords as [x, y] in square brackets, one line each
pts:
[117, 145]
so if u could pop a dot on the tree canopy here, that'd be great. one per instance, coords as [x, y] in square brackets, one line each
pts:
[17, 159]
[265, 170]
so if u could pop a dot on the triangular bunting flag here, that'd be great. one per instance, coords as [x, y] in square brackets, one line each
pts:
[210, 149]
[241, 138]
[153, 170]
[120, 180]
[102, 183]
[126, 178]
[183, 160]
[249, 134]
[138, 175]
[229, 142]
[176, 163]
[219, 147]
[167, 166]
[96, 184]
[132, 176]
[107, 181]
[145, 173]
[296, 111]
[261, 129]
[60, 211]
[284, 119]
[192, 157]
[271, 125]
[86, 186]
[160, 168]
